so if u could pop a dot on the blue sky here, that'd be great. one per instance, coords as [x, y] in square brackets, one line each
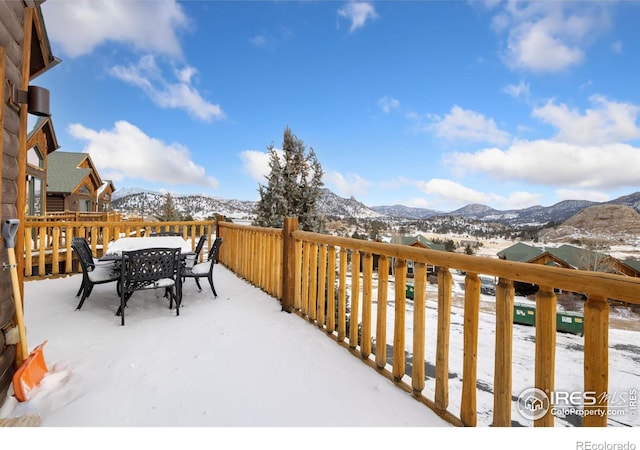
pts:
[435, 104]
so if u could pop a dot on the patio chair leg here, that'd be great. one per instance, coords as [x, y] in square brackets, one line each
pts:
[198, 284]
[85, 293]
[213, 289]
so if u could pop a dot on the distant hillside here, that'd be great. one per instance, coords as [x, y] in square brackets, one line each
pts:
[334, 205]
[406, 212]
[197, 206]
[141, 202]
[532, 216]
[605, 224]
[147, 203]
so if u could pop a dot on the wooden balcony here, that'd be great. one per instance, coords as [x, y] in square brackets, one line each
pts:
[331, 282]
[314, 275]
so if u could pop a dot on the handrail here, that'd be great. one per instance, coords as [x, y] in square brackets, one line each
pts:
[47, 243]
[313, 271]
[613, 286]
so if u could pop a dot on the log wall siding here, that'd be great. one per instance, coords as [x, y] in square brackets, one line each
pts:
[12, 38]
[323, 260]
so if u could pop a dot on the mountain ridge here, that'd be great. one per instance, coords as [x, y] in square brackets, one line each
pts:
[141, 201]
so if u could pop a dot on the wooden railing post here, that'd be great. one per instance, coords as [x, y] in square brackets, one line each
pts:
[596, 359]
[288, 262]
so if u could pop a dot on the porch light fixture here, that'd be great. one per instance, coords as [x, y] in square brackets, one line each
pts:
[36, 98]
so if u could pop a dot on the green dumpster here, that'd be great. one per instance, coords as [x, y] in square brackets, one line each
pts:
[570, 322]
[409, 291]
[524, 314]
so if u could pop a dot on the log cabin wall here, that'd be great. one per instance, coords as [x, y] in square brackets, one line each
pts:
[11, 40]
[24, 54]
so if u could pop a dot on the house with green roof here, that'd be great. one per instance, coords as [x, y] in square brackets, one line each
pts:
[569, 257]
[420, 242]
[73, 184]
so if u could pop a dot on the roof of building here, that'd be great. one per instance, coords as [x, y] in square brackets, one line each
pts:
[632, 263]
[520, 252]
[422, 241]
[577, 257]
[46, 125]
[64, 173]
[564, 255]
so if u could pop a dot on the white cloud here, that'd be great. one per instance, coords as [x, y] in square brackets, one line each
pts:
[352, 185]
[127, 152]
[617, 47]
[358, 13]
[517, 90]
[549, 36]
[445, 194]
[259, 41]
[78, 27]
[464, 124]
[452, 191]
[256, 164]
[386, 104]
[178, 94]
[516, 200]
[554, 163]
[606, 123]
[587, 155]
[581, 194]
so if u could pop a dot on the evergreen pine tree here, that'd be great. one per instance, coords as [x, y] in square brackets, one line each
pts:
[272, 206]
[169, 211]
[293, 187]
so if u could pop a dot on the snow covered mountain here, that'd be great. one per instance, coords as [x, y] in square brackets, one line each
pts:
[147, 203]
[142, 202]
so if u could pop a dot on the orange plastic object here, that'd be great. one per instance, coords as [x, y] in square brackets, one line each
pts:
[30, 373]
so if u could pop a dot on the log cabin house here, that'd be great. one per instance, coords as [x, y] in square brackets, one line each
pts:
[41, 141]
[73, 184]
[570, 257]
[25, 53]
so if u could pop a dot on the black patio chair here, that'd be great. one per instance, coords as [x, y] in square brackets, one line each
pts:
[92, 273]
[82, 241]
[205, 269]
[151, 268]
[191, 260]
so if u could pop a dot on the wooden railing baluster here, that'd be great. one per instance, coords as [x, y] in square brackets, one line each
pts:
[419, 322]
[503, 354]
[445, 284]
[400, 270]
[468, 408]
[367, 301]
[381, 312]
[354, 315]
[545, 347]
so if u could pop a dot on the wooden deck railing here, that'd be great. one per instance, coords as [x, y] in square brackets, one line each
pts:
[47, 245]
[76, 216]
[309, 273]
